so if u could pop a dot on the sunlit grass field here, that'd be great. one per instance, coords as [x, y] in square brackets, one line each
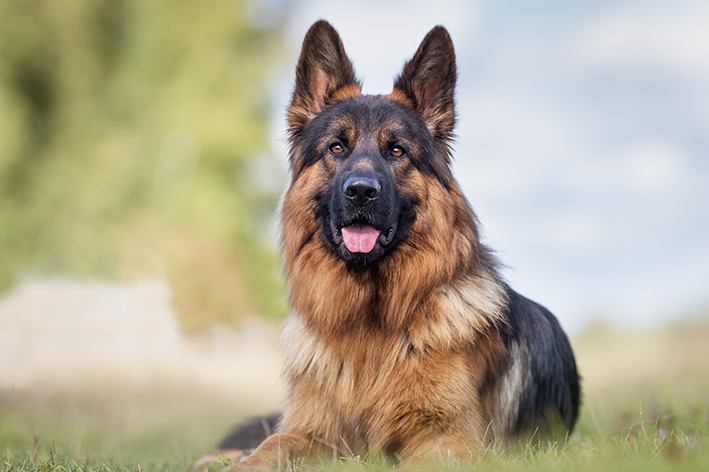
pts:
[646, 407]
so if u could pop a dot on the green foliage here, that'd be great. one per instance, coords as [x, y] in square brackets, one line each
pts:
[127, 127]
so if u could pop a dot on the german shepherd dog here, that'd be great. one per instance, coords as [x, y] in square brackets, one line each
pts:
[403, 337]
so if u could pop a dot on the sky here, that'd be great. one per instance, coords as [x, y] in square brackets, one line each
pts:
[583, 139]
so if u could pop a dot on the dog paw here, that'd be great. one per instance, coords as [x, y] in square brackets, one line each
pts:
[221, 459]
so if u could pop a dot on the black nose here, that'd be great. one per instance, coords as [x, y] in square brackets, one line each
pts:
[362, 189]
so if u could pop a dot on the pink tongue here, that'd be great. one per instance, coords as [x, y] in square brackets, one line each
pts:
[360, 238]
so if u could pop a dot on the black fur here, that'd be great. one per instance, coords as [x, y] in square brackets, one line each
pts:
[373, 149]
[249, 435]
[552, 388]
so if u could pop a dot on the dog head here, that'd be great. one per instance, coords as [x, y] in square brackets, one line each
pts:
[371, 152]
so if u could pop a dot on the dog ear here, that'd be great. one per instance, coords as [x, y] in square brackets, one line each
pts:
[323, 70]
[428, 80]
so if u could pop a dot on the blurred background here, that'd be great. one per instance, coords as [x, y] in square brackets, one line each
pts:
[142, 156]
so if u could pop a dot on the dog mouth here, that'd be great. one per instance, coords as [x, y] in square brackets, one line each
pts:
[361, 237]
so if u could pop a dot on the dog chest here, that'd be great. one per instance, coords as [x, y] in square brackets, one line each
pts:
[378, 395]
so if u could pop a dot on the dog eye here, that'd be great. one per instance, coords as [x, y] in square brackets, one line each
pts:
[336, 148]
[397, 151]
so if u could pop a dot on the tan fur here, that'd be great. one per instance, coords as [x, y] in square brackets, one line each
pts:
[409, 386]
[392, 360]
[412, 345]
[400, 97]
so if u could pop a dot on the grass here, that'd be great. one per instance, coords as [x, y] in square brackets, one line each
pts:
[57, 437]
[646, 408]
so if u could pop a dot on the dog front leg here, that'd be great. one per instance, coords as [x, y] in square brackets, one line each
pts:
[283, 450]
[446, 450]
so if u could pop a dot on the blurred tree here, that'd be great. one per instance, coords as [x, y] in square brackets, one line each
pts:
[130, 132]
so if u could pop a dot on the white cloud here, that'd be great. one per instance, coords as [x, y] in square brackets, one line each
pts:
[655, 167]
[578, 231]
[669, 37]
